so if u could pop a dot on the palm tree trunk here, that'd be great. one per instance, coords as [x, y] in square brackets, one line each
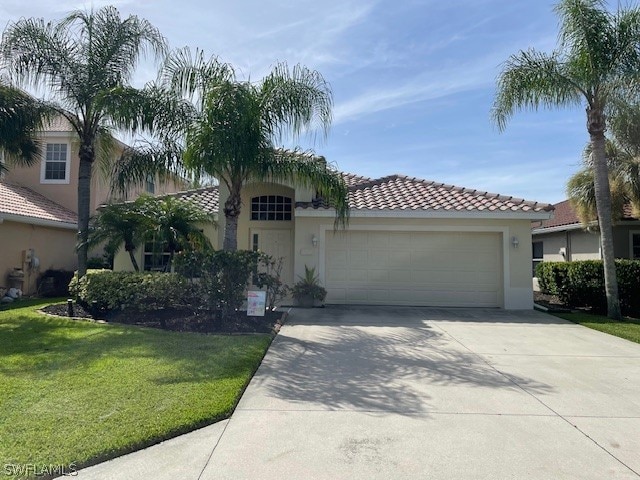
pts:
[134, 262]
[232, 209]
[87, 156]
[596, 126]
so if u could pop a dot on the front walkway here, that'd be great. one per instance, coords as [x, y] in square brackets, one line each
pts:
[373, 393]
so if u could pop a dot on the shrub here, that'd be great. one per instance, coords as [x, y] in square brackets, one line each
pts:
[102, 291]
[269, 277]
[581, 283]
[221, 277]
[551, 276]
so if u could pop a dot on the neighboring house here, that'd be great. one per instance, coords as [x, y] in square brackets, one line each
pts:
[53, 181]
[565, 238]
[408, 241]
[37, 234]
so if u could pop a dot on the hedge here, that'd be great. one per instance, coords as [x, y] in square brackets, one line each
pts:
[102, 291]
[581, 283]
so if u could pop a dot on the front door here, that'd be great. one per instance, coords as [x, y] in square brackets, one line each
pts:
[276, 243]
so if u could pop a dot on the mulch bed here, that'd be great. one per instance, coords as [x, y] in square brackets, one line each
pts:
[181, 320]
[550, 301]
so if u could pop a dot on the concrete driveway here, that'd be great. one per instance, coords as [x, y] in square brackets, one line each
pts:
[416, 393]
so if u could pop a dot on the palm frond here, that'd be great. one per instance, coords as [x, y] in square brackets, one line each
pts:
[294, 101]
[306, 170]
[136, 163]
[532, 79]
[192, 75]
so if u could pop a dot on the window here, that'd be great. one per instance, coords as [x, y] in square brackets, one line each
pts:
[538, 255]
[271, 207]
[55, 168]
[634, 242]
[150, 184]
[156, 256]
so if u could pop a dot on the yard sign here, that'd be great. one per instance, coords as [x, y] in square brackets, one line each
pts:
[256, 302]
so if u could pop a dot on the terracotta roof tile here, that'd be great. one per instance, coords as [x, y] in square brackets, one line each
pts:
[399, 192]
[19, 200]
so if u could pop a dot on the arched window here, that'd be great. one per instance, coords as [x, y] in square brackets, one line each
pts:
[271, 207]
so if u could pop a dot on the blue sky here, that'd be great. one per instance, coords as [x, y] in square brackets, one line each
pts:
[413, 80]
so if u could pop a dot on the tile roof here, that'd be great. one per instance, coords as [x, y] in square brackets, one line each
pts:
[207, 198]
[396, 192]
[399, 192]
[22, 201]
[58, 124]
[565, 215]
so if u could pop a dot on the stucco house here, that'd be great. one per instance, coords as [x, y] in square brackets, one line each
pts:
[408, 241]
[565, 238]
[38, 207]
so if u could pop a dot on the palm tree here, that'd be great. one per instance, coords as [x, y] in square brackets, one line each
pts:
[175, 224]
[87, 60]
[234, 127]
[596, 62]
[21, 117]
[122, 224]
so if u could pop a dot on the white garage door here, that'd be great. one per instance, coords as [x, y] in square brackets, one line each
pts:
[414, 268]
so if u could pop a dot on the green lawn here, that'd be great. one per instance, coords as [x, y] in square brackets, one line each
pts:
[77, 391]
[628, 329]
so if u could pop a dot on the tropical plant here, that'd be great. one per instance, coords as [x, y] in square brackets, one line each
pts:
[623, 159]
[309, 286]
[87, 60]
[122, 225]
[21, 117]
[596, 62]
[233, 131]
[175, 224]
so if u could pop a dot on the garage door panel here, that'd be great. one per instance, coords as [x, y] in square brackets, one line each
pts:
[414, 268]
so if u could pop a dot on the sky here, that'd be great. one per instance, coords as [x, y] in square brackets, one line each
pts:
[413, 80]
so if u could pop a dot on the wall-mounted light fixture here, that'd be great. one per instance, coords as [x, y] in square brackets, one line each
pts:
[314, 240]
[515, 242]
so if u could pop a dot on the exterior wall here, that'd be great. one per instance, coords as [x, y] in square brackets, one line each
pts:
[518, 292]
[245, 224]
[66, 194]
[622, 240]
[583, 245]
[54, 247]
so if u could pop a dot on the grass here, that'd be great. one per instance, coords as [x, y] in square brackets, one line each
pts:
[77, 392]
[628, 329]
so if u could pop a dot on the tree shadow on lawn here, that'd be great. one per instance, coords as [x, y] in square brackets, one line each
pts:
[398, 370]
[50, 344]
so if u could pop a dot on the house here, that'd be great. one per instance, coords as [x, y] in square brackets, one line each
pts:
[39, 206]
[565, 238]
[408, 241]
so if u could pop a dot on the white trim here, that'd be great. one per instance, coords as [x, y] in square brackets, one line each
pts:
[67, 168]
[631, 234]
[41, 222]
[506, 268]
[388, 213]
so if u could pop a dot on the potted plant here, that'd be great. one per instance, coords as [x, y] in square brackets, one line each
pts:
[307, 291]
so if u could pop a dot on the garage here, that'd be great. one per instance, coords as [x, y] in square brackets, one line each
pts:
[448, 269]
